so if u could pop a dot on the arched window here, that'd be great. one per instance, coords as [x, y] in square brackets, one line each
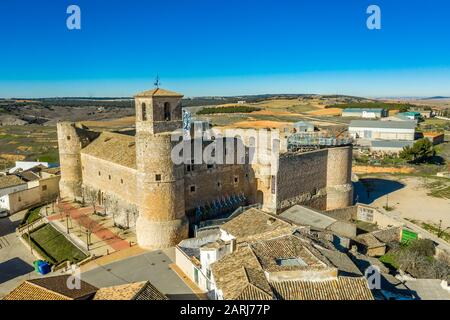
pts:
[167, 111]
[144, 112]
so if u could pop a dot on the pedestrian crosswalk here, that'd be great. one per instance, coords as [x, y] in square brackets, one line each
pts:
[4, 243]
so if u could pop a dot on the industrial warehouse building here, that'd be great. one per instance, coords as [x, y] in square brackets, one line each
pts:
[368, 113]
[382, 130]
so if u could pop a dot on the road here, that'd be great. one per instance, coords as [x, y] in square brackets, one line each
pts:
[16, 262]
[153, 266]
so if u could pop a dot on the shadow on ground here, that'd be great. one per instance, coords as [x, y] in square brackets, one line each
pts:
[13, 268]
[370, 189]
[8, 226]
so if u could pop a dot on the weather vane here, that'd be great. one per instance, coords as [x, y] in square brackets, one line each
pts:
[157, 82]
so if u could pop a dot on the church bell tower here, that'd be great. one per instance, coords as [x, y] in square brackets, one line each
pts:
[160, 183]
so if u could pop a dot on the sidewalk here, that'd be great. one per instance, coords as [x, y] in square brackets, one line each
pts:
[105, 237]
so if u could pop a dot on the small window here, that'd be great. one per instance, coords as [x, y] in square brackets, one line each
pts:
[99, 173]
[121, 181]
[209, 166]
[167, 116]
[188, 168]
[68, 137]
[219, 184]
[192, 189]
[158, 177]
[44, 188]
[20, 199]
[144, 112]
[236, 179]
[109, 177]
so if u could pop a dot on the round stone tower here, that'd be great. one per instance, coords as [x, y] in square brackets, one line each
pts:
[160, 183]
[339, 175]
[70, 145]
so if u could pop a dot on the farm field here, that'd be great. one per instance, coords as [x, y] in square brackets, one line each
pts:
[32, 142]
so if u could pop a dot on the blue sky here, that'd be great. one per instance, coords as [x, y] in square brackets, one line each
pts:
[224, 47]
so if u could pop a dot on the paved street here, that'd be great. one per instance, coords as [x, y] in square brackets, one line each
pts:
[153, 266]
[16, 262]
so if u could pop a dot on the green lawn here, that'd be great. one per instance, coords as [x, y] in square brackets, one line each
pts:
[55, 245]
[31, 216]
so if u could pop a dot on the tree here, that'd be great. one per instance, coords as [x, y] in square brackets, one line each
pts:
[90, 194]
[421, 151]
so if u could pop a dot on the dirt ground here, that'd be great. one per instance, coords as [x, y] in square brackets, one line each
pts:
[326, 112]
[259, 124]
[372, 169]
[408, 196]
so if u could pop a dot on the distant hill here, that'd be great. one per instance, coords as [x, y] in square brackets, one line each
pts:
[435, 98]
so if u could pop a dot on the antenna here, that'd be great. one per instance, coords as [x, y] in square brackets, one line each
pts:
[157, 83]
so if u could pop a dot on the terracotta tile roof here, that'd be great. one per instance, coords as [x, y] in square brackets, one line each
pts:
[51, 288]
[238, 270]
[343, 288]
[29, 291]
[10, 181]
[114, 147]
[271, 252]
[133, 291]
[159, 93]
[254, 224]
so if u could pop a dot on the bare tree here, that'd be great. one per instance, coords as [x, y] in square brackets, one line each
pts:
[91, 197]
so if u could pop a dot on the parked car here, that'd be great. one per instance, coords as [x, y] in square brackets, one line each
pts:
[4, 213]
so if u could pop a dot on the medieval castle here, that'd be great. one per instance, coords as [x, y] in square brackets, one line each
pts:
[133, 175]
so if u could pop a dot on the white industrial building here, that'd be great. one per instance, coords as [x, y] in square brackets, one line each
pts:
[382, 130]
[368, 113]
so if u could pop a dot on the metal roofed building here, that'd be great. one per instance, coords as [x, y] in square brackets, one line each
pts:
[382, 130]
[302, 215]
[369, 113]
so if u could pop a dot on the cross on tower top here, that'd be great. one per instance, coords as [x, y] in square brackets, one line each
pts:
[157, 83]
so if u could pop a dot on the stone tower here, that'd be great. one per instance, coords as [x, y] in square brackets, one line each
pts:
[71, 139]
[160, 183]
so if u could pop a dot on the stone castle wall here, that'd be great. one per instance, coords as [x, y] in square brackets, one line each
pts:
[302, 179]
[204, 185]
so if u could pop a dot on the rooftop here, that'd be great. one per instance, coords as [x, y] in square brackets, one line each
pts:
[158, 92]
[305, 216]
[383, 124]
[254, 223]
[113, 147]
[10, 181]
[342, 288]
[51, 288]
[242, 274]
[134, 291]
[288, 253]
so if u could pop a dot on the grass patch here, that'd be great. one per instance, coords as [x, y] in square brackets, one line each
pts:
[389, 260]
[31, 216]
[232, 109]
[435, 230]
[55, 245]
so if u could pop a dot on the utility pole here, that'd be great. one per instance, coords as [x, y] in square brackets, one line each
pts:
[387, 201]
